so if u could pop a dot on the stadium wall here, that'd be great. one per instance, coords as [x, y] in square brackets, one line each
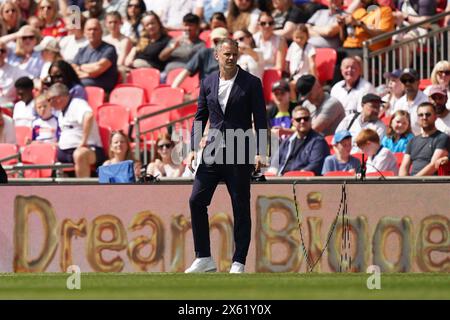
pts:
[134, 228]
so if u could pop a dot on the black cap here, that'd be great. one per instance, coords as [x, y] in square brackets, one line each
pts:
[304, 85]
[409, 72]
[370, 97]
[280, 85]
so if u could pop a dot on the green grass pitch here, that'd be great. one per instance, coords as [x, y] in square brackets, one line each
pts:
[222, 286]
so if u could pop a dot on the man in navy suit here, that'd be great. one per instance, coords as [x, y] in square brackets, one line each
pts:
[228, 99]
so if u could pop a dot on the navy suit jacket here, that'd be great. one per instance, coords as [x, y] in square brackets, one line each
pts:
[246, 100]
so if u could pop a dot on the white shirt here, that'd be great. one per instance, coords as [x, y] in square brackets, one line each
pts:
[384, 160]
[45, 130]
[71, 124]
[225, 90]
[411, 107]
[269, 48]
[298, 59]
[351, 99]
[443, 124]
[8, 76]
[174, 11]
[23, 114]
[70, 46]
[247, 63]
[8, 134]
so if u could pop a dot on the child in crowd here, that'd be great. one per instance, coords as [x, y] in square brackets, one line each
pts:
[341, 160]
[24, 112]
[300, 57]
[398, 133]
[45, 127]
[379, 158]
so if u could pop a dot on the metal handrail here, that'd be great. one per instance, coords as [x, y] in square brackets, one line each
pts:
[22, 167]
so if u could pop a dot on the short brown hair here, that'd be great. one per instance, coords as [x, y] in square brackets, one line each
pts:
[365, 136]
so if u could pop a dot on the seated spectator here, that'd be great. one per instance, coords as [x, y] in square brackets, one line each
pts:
[24, 112]
[45, 127]
[218, 20]
[24, 56]
[242, 14]
[204, 61]
[250, 59]
[120, 150]
[163, 165]
[74, 41]
[95, 10]
[8, 76]
[174, 11]
[440, 76]
[379, 158]
[367, 119]
[398, 133]
[50, 51]
[122, 43]
[153, 40]
[300, 57]
[205, 10]
[62, 72]
[326, 111]
[394, 92]
[437, 95]
[279, 113]
[273, 47]
[425, 149]
[351, 90]
[412, 98]
[10, 15]
[132, 26]
[305, 150]
[341, 160]
[7, 129]
[79, 142]
[54, 24]
[286, 16]
[323, 26]
[180, 50]
[27, 9]
[96, 64]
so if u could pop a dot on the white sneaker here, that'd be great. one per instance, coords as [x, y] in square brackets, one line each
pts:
[202, 265]
[237, 267]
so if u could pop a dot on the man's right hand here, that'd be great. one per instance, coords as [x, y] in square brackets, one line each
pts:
[190, 160]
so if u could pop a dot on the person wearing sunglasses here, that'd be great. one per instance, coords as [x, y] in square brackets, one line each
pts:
[412, 97]
[250, 58]
[164, 165]
[305, 150]
[62, 72]
[425, 149]
[440, 76]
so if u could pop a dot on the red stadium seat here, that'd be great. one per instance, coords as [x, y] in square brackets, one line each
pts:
[269, 77]
[444, 170]
[147, 78]
[339, 174]
[105, 135]
[359, 156]
[189, 84]
[131, 97]
[151, 122]
[299, 174]
[381, 173]
[399, 157]
[329, 140]
[39, 153]
[95, 97]
[23, 135]
[423, 83]
[325, 63]
[7, 111]
[9, 149]
[167, 96]
[114, 116]
[204, 35]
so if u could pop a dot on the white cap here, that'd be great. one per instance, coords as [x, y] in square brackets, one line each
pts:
[48, 43]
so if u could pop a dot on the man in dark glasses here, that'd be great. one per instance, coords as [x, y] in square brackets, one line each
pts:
[305, 150]
[425, 149]
[412, 97]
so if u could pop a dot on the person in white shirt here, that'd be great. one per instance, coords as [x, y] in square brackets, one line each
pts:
[394, 92]
[45, 127]
[379, 157]
[250, 59]
[7, 129]
[412, 98]
[24, 112]
[74, 41]
[79, 142]
[437, 95]
[351, 90]
[367, 119]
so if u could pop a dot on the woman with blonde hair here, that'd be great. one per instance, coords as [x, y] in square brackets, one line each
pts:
[54, 24]
[163, 165]
[242, 14]
[441, 76]
[24, 56]
[10, 14]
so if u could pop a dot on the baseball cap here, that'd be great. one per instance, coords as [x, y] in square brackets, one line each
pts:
[304, 85]
[220, 32]
[410, 72]
[48, 43]
[437, 89]
[394, 74]
[341, 135]
[280, 85]
[370, 97]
